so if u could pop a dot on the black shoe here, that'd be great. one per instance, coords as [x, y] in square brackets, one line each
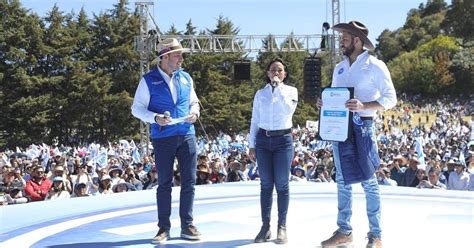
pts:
[264, 235]
[281, 235]
[190, 232]
[161, 236]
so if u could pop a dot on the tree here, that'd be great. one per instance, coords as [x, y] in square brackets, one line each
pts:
[459, 20]
[24, 102]
[173, 31]
[426, 69]
[190, 29]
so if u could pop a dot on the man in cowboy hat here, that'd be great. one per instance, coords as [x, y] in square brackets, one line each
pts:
[166, 99]
[459, 178]
[373, 91]
[410, 173]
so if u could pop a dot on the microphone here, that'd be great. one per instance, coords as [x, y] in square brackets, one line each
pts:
[275, 81]
[166, 115]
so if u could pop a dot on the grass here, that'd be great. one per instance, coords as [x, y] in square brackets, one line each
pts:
[416, 119]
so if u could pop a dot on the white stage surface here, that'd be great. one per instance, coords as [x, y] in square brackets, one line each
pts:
[228, 215]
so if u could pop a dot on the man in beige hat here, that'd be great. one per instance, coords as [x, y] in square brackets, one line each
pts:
[373, 91]
[166, 99]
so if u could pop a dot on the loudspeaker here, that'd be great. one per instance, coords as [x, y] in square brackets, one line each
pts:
[242, 70]
[312, 78]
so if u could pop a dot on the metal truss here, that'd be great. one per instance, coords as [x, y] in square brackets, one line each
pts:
[245, 43]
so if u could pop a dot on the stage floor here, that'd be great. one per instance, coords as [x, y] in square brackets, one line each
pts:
[228, 215]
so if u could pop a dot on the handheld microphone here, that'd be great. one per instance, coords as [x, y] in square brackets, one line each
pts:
[166, 115]
[275, 81]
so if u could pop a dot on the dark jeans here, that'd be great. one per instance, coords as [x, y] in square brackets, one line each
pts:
[166, 149]
[274, 155]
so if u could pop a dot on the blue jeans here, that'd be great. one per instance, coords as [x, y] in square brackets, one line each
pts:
[166, 149]
[344, 197]
[274, 155]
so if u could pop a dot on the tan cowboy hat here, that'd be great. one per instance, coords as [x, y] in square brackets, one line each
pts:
[166, 46]
[203, 170]
[402, 159]
[358, 29]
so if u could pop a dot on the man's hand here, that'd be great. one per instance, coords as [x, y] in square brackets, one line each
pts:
[162, 120]
[192, 118]
[354, 105]
[319, 103]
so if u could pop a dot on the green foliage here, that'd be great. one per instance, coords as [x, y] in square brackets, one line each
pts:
[431, 52]
[459, 20]
[425, 70]
[70, 78]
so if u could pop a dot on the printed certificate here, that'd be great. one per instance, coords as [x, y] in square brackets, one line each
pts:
[335, 119]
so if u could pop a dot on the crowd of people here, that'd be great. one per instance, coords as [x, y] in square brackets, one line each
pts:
[444, 161]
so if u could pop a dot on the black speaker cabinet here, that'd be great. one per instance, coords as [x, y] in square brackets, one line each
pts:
[242, 70]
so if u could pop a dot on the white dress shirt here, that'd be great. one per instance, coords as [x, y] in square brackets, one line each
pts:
[142, 98]
[371, 81]
[458, 181]
[272, 110]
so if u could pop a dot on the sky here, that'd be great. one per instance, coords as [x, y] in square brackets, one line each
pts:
[254, 17]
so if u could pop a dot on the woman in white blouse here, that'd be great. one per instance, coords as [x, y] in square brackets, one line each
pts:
[271, 144]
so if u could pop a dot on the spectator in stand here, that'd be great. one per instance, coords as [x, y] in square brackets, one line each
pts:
[420, 176]
[323, 175]
[122, 186]
[450, 164]
[105, 185]
[298, 174]
[152, 181]
[410, 173]
[234, 174]
[15, 196]
[202, 175]
[459, 178]
[58, 171]
[82, 176]
[244, 171]
[80, 190]
[397, 168]
[222, 176]
[140, 172]
[115, 174]
[147, 164]
[383, 177]
[433, 180]
[214, 167]
[310, 170]
[12, 180]
[58, 190]
[38, 186]
[131, 178]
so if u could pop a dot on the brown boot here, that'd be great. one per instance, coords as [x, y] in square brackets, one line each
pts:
[337, 239]
[374, 242]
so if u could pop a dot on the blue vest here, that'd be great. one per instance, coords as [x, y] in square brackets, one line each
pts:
[161, 100]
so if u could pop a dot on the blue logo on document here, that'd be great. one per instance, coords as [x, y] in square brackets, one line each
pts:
[340, 71]
[357, 120]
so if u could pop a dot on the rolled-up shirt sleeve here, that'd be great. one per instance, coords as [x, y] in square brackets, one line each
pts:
[140, 103]
[388, 95]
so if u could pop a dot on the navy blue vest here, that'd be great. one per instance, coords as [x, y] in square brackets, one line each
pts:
[161, 100]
